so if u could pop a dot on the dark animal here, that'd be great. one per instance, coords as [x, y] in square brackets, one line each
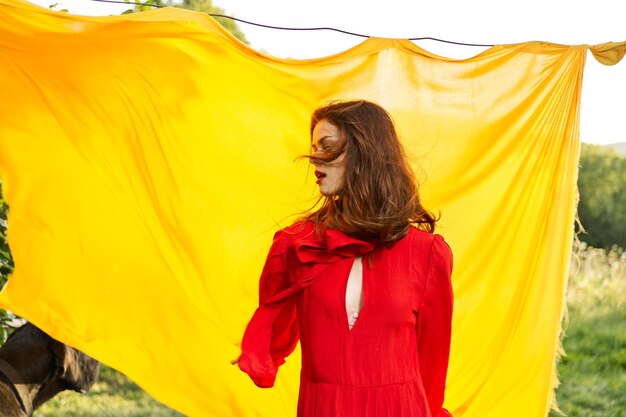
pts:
[34, 368]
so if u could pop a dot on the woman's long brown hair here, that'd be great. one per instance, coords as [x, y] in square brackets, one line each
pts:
[379, 200]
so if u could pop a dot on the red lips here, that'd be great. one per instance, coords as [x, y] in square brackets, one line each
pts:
[320, 176]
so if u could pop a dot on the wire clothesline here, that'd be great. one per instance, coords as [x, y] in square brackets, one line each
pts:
[298, 29]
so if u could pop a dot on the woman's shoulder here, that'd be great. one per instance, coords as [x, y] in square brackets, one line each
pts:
[415, 235]
[297, 231]
[425, 250]
[301, 231]
[427, 241]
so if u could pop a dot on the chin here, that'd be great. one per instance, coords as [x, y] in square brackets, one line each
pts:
[328, 193]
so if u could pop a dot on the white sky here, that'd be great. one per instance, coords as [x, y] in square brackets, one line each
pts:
[480, 21]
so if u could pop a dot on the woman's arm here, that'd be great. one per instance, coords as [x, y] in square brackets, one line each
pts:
[434, 326]
[272, 333]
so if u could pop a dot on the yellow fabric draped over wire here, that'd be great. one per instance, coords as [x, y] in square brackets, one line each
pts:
[148, 159]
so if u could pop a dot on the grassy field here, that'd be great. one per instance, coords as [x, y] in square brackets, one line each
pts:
[113, 395]
[592, 373]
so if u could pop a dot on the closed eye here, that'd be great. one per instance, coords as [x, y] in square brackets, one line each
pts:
[321, 145]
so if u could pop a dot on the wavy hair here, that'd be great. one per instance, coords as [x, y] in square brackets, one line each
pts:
[379, 200]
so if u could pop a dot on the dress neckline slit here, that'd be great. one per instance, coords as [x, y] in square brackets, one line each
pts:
[354, 299]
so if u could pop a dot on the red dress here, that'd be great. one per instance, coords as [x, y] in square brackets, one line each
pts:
[394, 360]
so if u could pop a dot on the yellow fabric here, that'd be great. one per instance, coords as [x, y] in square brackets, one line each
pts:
[609, 53]
[148, 159]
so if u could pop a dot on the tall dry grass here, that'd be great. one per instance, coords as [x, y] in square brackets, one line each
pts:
[597, 281]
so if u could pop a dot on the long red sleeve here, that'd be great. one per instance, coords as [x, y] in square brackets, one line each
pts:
[434, 326]
[272, 333]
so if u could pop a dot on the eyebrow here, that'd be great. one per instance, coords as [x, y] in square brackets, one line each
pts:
[322, 141]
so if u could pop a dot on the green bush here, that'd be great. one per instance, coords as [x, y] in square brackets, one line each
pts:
[602, 187]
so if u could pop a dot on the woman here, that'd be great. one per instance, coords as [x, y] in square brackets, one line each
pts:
[363, 282]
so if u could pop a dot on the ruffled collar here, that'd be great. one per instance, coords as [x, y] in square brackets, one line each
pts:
[326, 247]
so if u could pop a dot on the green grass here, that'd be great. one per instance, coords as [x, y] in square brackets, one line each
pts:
[113, 395]
[593, 372]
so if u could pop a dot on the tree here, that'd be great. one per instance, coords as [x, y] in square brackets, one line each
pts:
[203, 6]
[602, 187]
[206, 6]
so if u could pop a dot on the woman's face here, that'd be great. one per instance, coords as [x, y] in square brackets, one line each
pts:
[330, 175]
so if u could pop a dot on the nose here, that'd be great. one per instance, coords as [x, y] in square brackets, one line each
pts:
[314, 161]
